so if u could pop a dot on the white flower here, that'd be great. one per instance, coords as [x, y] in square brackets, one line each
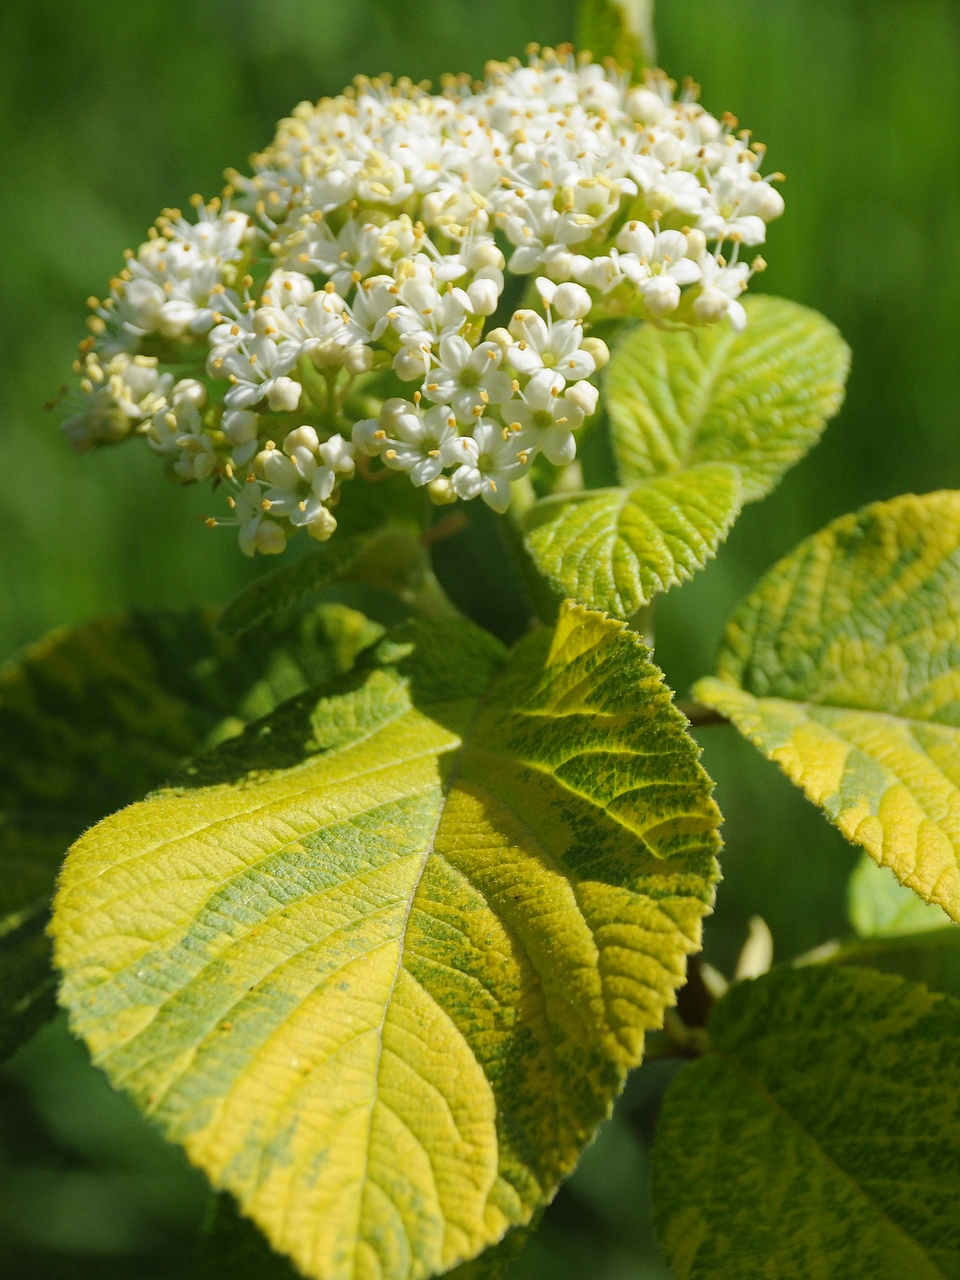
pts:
[257, 368]
[657, 264]
[178, 432]
[468, 379]
[115, 395]
[414, 438]
[553, 345]
[486, 461]
[423, 313]
[544, 420]
[172, 285]
[241, 427]
[722, 286]
[302, 477]
[257, 533]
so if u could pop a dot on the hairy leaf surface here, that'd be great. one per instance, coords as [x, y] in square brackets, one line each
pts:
[819, 1138]
[93, 717]
[381, 963]
[843, 666]
[616, 548]
[701, 423]
[759, 399]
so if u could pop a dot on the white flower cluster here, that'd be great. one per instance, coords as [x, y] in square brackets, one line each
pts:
[353, 298]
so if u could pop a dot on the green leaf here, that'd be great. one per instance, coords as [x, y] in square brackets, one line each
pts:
[881, 907]
[759, 399]
[820, 1136]
[28, 985]
[843, 666]
[615, 548]
[94, 717]
[618, 29]
[932, 957]
[700, 423]
[291, 583]
[382, 962]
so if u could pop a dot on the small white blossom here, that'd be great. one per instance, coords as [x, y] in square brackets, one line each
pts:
[116, 395]
[486, 462]
[468, 379]
[552, 345]
[546, 419]
[257, 532]
[657, 264]
[302, 477]
[722, 287]
[415, 438]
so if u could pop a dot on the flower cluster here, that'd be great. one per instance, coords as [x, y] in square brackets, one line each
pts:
[408, 282]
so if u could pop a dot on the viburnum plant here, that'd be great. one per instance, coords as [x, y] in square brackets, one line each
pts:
[374, 920]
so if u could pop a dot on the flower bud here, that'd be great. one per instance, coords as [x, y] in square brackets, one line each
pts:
[711, 306]
[323, 526]
[239, 426]
[661, 295]
[190, 391]
[301, 438]
[283, 395]
[175, 318]
[502, 337]
[584, 395]
[597, 348]
[364, 436]
[485, 254]
[571, 302]
[441, 491]
[696, 243]
[410, 364]
[766, 202]
[484, 297]
[270, 539]
[357, 358]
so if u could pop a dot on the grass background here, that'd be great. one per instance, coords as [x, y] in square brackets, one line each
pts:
[109, 112]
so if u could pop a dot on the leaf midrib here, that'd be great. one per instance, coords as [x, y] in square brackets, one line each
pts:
[775, 1105]
[402, 946]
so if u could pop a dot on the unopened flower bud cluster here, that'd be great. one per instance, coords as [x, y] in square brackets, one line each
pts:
[408, 282]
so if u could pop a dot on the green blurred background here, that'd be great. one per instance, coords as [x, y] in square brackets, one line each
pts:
[113, 110]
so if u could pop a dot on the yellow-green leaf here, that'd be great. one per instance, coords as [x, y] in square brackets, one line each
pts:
[701, 423]
[843, 666]
[616, 548]
[757, 399]
[93, 717]
[381, 962]
[233, 1247]
[819, 1137]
